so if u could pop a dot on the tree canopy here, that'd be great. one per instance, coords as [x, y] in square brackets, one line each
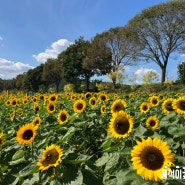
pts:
[161, 32]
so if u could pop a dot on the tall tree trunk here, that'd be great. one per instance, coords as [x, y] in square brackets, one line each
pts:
[114, 83]
[163, 76]
[87, 84]
[57, 85]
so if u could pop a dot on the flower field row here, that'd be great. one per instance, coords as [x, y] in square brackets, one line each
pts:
[92, 138]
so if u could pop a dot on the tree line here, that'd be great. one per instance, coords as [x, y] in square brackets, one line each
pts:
[156, 35]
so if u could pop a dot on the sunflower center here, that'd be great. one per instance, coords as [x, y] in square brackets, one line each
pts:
[14, 103]
[152, 123]
[182, 105]
[122, 126]
[63, 117]
[152, 158]
[118, 107]
[93, 102]
[103, 98]
[80, 106]
[51, 157]
[36, 108]
[28, 134]
[103, 109]
[145, 107]
[51, 108]
[169, 107]
[53, 98]
[154, 101]
[37, 122]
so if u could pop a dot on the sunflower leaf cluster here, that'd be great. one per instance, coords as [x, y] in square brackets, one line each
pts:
[91, 138]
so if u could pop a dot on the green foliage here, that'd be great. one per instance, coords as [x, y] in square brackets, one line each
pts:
[150, 77]
[72, 63]
[91, 156]
[160, 31]
[52, 72]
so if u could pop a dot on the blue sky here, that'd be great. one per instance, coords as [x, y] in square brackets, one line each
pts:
[33, 30]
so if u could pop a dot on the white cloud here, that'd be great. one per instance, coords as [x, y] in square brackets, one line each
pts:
[141, 72]
[55, 48]
[10, 69]
[1, 38]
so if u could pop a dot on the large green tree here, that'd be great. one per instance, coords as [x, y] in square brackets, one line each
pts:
[98, 57]
[19, 81]
[161, 32]
[72, 63]
[33, 78]
[52, 72]
[122, 48]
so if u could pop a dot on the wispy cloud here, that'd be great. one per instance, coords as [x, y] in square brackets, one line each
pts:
[55, 48]
[10, 69]
[1, 38]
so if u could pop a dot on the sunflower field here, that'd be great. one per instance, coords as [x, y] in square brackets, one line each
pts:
[92, 139]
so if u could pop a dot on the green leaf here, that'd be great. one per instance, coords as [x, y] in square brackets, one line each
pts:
[10, 179]
[129, 177]
[71, 176]
[140, 131]
[15, 162]
[19, 154]
[32, 180]
[107, 143]
[180, 160]
[74, 158]
[103, 160]
[69, 134]
[28, 170]
[113, 160]
[177, 132]
[90, 179]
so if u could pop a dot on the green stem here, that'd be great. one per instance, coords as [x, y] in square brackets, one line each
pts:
[32, 151]
[40, 175]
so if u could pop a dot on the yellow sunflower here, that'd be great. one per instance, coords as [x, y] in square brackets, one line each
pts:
[152, 122]
[63, 117]
[8, 102]
[73, 97]
[36, 107]
[103, 109]
[167, 106]
[37, 121]
[26, 134]
[79, 106]
[12, 116]
[88, 95]
[14, 102]
[52, 97]
[154, 101]
[145, 107]
[179, 105]
[2, 139]
[92, 101]
[103, 97]
[25, 101]
[51, 107]
[118, 105]
[51, 157]
[121, 125]
[149, 158]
